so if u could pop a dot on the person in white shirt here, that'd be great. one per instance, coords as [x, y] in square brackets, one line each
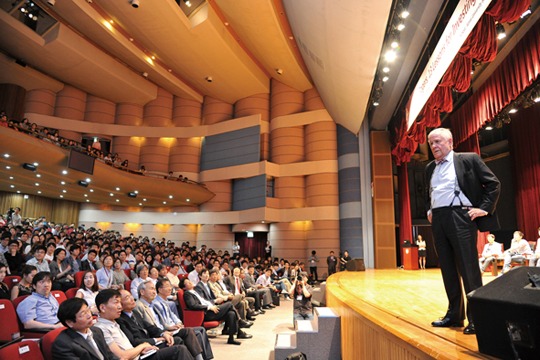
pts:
[492, 251]
[193, 276]
[172, 275]
[535, 259]
[519, 250]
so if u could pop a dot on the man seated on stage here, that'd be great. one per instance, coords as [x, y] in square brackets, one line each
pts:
[212, 312]
[139, 332]
[518, 251]
[535, 259]
[109, 304]
[38, 311]
[492, 251]
[80, 340]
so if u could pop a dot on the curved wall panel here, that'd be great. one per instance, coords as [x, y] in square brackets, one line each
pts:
[288, 240]
[285, 100]
[155, 154]
[129, 114]
[185, 156]
[99, 110]
[186, 112]
[70, 104]
[290, 191]
[215, 237]
[215, 111]
[253, 105]
[323, 237]
[223, 199]
[40, 101]
[158, 112]
[322, 189]
[287, 145]
[321, 141]
[312, 100]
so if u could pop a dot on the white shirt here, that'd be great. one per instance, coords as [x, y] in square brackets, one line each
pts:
[444, 184]
[113, 333]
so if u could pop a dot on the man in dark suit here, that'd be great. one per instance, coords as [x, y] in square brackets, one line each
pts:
[212, 312]
[71, 343]
[89, 264]
[461, 196]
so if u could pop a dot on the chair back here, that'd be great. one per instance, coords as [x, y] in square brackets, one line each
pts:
[24, 350]
[10, 324]
[47, 342]
[70, 293]
[59, 295]
[79, 278]
[12, 280]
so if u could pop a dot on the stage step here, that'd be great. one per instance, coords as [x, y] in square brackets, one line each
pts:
[319, 338]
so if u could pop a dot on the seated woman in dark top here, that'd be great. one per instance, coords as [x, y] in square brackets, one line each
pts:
[24, 287]
[14, 258]
[4, 290]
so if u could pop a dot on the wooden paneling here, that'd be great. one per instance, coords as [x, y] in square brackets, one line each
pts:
[57, 211]
[383, 201]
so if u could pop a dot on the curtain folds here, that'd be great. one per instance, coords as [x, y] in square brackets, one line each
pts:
[405, 219]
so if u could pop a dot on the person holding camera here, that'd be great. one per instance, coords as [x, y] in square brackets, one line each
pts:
[301, 294]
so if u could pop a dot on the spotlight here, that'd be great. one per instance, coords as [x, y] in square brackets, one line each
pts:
[526, 13]
[145, 75]
[134, 3]
[390, 55]
[82, 183]
[209, 79]
[375, 103]
[188, 3]
[501, 33]
[400, 27]
[30, 167]
[132, 194]
[489, 127]
[279, 71]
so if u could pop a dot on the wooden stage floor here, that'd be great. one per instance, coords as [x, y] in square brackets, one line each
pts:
[403, 303]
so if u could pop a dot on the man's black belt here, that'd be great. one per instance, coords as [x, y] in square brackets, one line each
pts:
[452, 208]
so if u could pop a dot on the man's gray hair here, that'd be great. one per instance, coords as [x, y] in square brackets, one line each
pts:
[444, 132]
[142, 286]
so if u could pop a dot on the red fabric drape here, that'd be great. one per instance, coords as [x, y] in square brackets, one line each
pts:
[519, 70]
[405, 220]
[525, 151]
[469, 145]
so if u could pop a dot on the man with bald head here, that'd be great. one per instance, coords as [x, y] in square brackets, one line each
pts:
[461, 196]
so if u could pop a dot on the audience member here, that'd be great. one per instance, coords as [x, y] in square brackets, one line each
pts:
[535, 259]
[24, 287]
[4, 290]
[60, 271]
[38, 311]
[38, 259]
[88, 290]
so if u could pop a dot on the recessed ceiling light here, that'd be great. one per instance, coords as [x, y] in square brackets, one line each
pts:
[6, 155]
[143, 199]
[37, 184]
[394, 44]
[85, 195]
[386, 69]
[404, 14]
[61, 196]
[62, 183]
[26, 196]
[117, 189]
[117, 200]
[64, 172]
[390, 55]
[512, 111]
[38, 175]
[170, 196]
[18, 191]
[140, 204]
[88, 180]
[164, 203]
[188, 200]
[64, 191]
[11, 178]
[87, 200]
[12, 186]
[8, 167]
[375, 103]
[39, 192]
[400, 27]
[136, 191]
[36, 164]
[91, 190]
[385, 79]
[111, 194]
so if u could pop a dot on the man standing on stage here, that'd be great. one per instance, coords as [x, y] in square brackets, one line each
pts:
[331, 261]
[461, 196]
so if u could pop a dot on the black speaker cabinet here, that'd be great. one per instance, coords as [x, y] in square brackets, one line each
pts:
[355, 265]
[506, 315]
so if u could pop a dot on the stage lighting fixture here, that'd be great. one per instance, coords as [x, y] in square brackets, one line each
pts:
[501, 33]
[29, 166]
[134, 3]
[82, 183]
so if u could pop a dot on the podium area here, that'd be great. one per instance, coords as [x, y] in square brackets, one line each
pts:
[387, 314]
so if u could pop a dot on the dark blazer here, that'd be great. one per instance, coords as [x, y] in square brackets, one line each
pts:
[192, 303]
[477, 182]
[200, 288]
[85, 265]
[136, 333]
[70, 345]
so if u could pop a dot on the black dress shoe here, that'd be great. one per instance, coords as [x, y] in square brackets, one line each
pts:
[261, 311]
[469, 330]
[225, 332]
[243, 335]
[447, 322]
[244, 324]
[233, 342]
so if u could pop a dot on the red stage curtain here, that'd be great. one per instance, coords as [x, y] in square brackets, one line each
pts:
[405, 220]
[519, 70]
[525, 151]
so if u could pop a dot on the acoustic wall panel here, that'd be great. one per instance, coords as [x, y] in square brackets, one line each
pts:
[233, 148]
[249, 193]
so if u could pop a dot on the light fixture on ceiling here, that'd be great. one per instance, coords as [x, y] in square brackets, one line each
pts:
[512, 111]
[6, 156]
[209, 79]
[132, 194]
[390, 55]
[82, 183]
[51, 2]
[526, 13]
[145, 75]
[134, 3]
[188, 3]
[386, 69]
[400, 26]
[489, 127]
[30, 167]
[501, 33]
